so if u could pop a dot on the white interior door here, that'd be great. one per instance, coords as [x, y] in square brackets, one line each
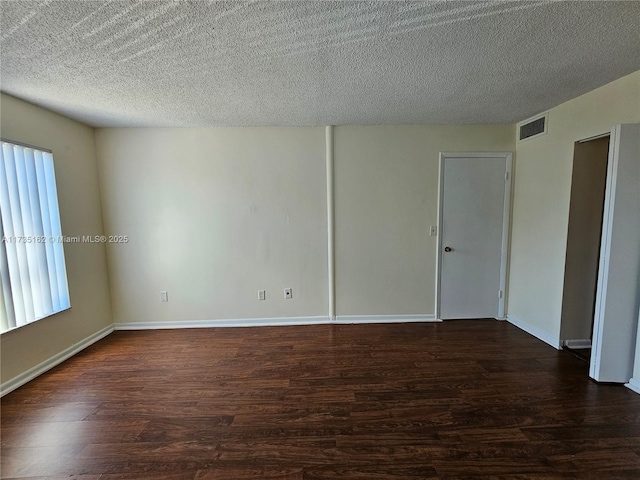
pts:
[618, 291]
[474, 214]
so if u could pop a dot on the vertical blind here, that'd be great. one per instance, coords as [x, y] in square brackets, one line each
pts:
[33, 273]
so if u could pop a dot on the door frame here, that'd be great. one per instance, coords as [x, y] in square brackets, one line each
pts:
[506, 214]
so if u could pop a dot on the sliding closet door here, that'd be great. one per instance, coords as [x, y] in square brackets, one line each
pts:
[618, 295]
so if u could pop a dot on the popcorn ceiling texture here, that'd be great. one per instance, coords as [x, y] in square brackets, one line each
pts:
[214, 63]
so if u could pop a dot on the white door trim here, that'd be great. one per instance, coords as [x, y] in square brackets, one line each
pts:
[605, 250]
[508, 156]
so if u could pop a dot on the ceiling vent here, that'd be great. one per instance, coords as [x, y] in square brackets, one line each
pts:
[533, 127]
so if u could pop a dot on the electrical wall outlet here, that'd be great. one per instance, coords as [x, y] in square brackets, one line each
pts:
[262, 294]
[288, 293]
[164, 297]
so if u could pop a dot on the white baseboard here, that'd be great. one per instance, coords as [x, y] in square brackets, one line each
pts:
[233, 322]
[274, 322]
[634, 384]
[18, 381]
[386, 318]
[535, 331]
[578, 343]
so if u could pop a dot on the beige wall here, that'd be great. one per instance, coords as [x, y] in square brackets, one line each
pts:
[386, 197]
[213, 215]
[80, 211]
[541, 198]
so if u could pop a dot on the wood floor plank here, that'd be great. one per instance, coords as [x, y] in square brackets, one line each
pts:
[49, 434]
[451, 400]
[366, 472]
[61, 477]
[242, 473]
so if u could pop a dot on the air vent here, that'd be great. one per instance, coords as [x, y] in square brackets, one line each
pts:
[534, 127]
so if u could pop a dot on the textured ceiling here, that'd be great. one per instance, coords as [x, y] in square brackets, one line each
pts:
[214, 63]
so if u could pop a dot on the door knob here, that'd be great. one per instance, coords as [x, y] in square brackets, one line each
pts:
[447, 249]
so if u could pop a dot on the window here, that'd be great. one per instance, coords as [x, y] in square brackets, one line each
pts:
[33, 274]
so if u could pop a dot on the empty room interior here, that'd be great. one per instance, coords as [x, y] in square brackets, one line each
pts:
[320, 239]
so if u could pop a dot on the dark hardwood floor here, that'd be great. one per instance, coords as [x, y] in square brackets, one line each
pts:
[461, 399]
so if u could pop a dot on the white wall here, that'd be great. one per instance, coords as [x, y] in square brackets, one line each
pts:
[78, 192]
[386, 197]
[213, 215]
[541, 199]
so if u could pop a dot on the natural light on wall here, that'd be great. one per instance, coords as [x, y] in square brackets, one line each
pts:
[34, 278]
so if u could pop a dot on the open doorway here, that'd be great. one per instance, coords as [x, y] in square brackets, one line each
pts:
[586, 209]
